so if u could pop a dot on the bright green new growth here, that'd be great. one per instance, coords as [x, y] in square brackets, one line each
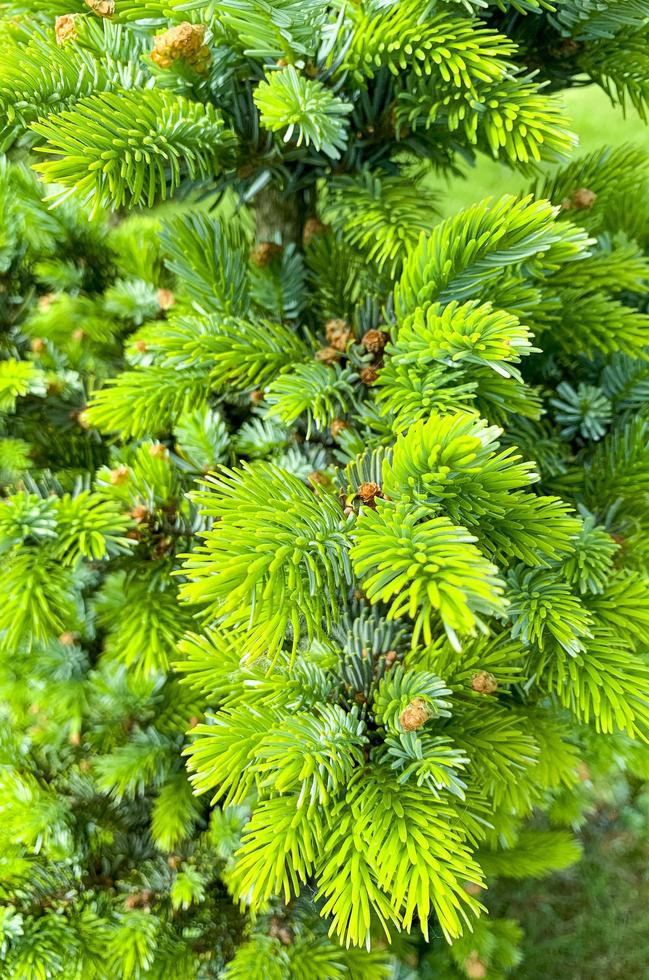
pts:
[339, 506]
[293, 563]
[133, 149]
[305, 108]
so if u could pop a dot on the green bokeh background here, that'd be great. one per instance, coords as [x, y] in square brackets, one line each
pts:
[594, 120]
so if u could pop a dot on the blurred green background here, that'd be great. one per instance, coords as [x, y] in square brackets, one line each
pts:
[595, 121]
[592, 921]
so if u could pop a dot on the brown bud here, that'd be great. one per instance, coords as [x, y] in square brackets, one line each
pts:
[140, 514]
[78, 335]
[583, 198]
[45, 302]
[139, 899]
[484, 683]
[264, 253]
[257, 396]
[166, 299]
[368, 493]
[65, 28]
[474, 967]
[390, 657]
[158, 451]
[74, 738]
[374, 340]
[103, 8]
[141, 346]
[68, 639]
[368, 374]
[328, 355]
[174, 861]
[320, 478]
[415, 715]
[279, 930]
[194, 721]
[472, 888]
[119, 475]
[313, 227]
[185, 42]
[163, 547]
[338, 333]
[337, 427]
[38, 345]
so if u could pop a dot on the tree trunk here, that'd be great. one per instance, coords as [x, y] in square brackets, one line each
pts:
[280, 218]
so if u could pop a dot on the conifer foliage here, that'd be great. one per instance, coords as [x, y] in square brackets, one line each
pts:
[324, 520]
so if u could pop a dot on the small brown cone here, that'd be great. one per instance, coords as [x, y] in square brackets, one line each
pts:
[185, 42]
[583, 198]
[139, 900]
[474, 967]
[472, 888]
[415, 715]
[166, 299]
[45, 302]
[103, 8]
[65, 29]
[338, 426]
[374, 341]
[158, 451]
[38, 345]
[484, 683]
[368, 492]
[119, 475]
[338, 333]
[327, 355]
[263, 253]
[319, 478]
[313, 228]
[369, 374]
[279, 930]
